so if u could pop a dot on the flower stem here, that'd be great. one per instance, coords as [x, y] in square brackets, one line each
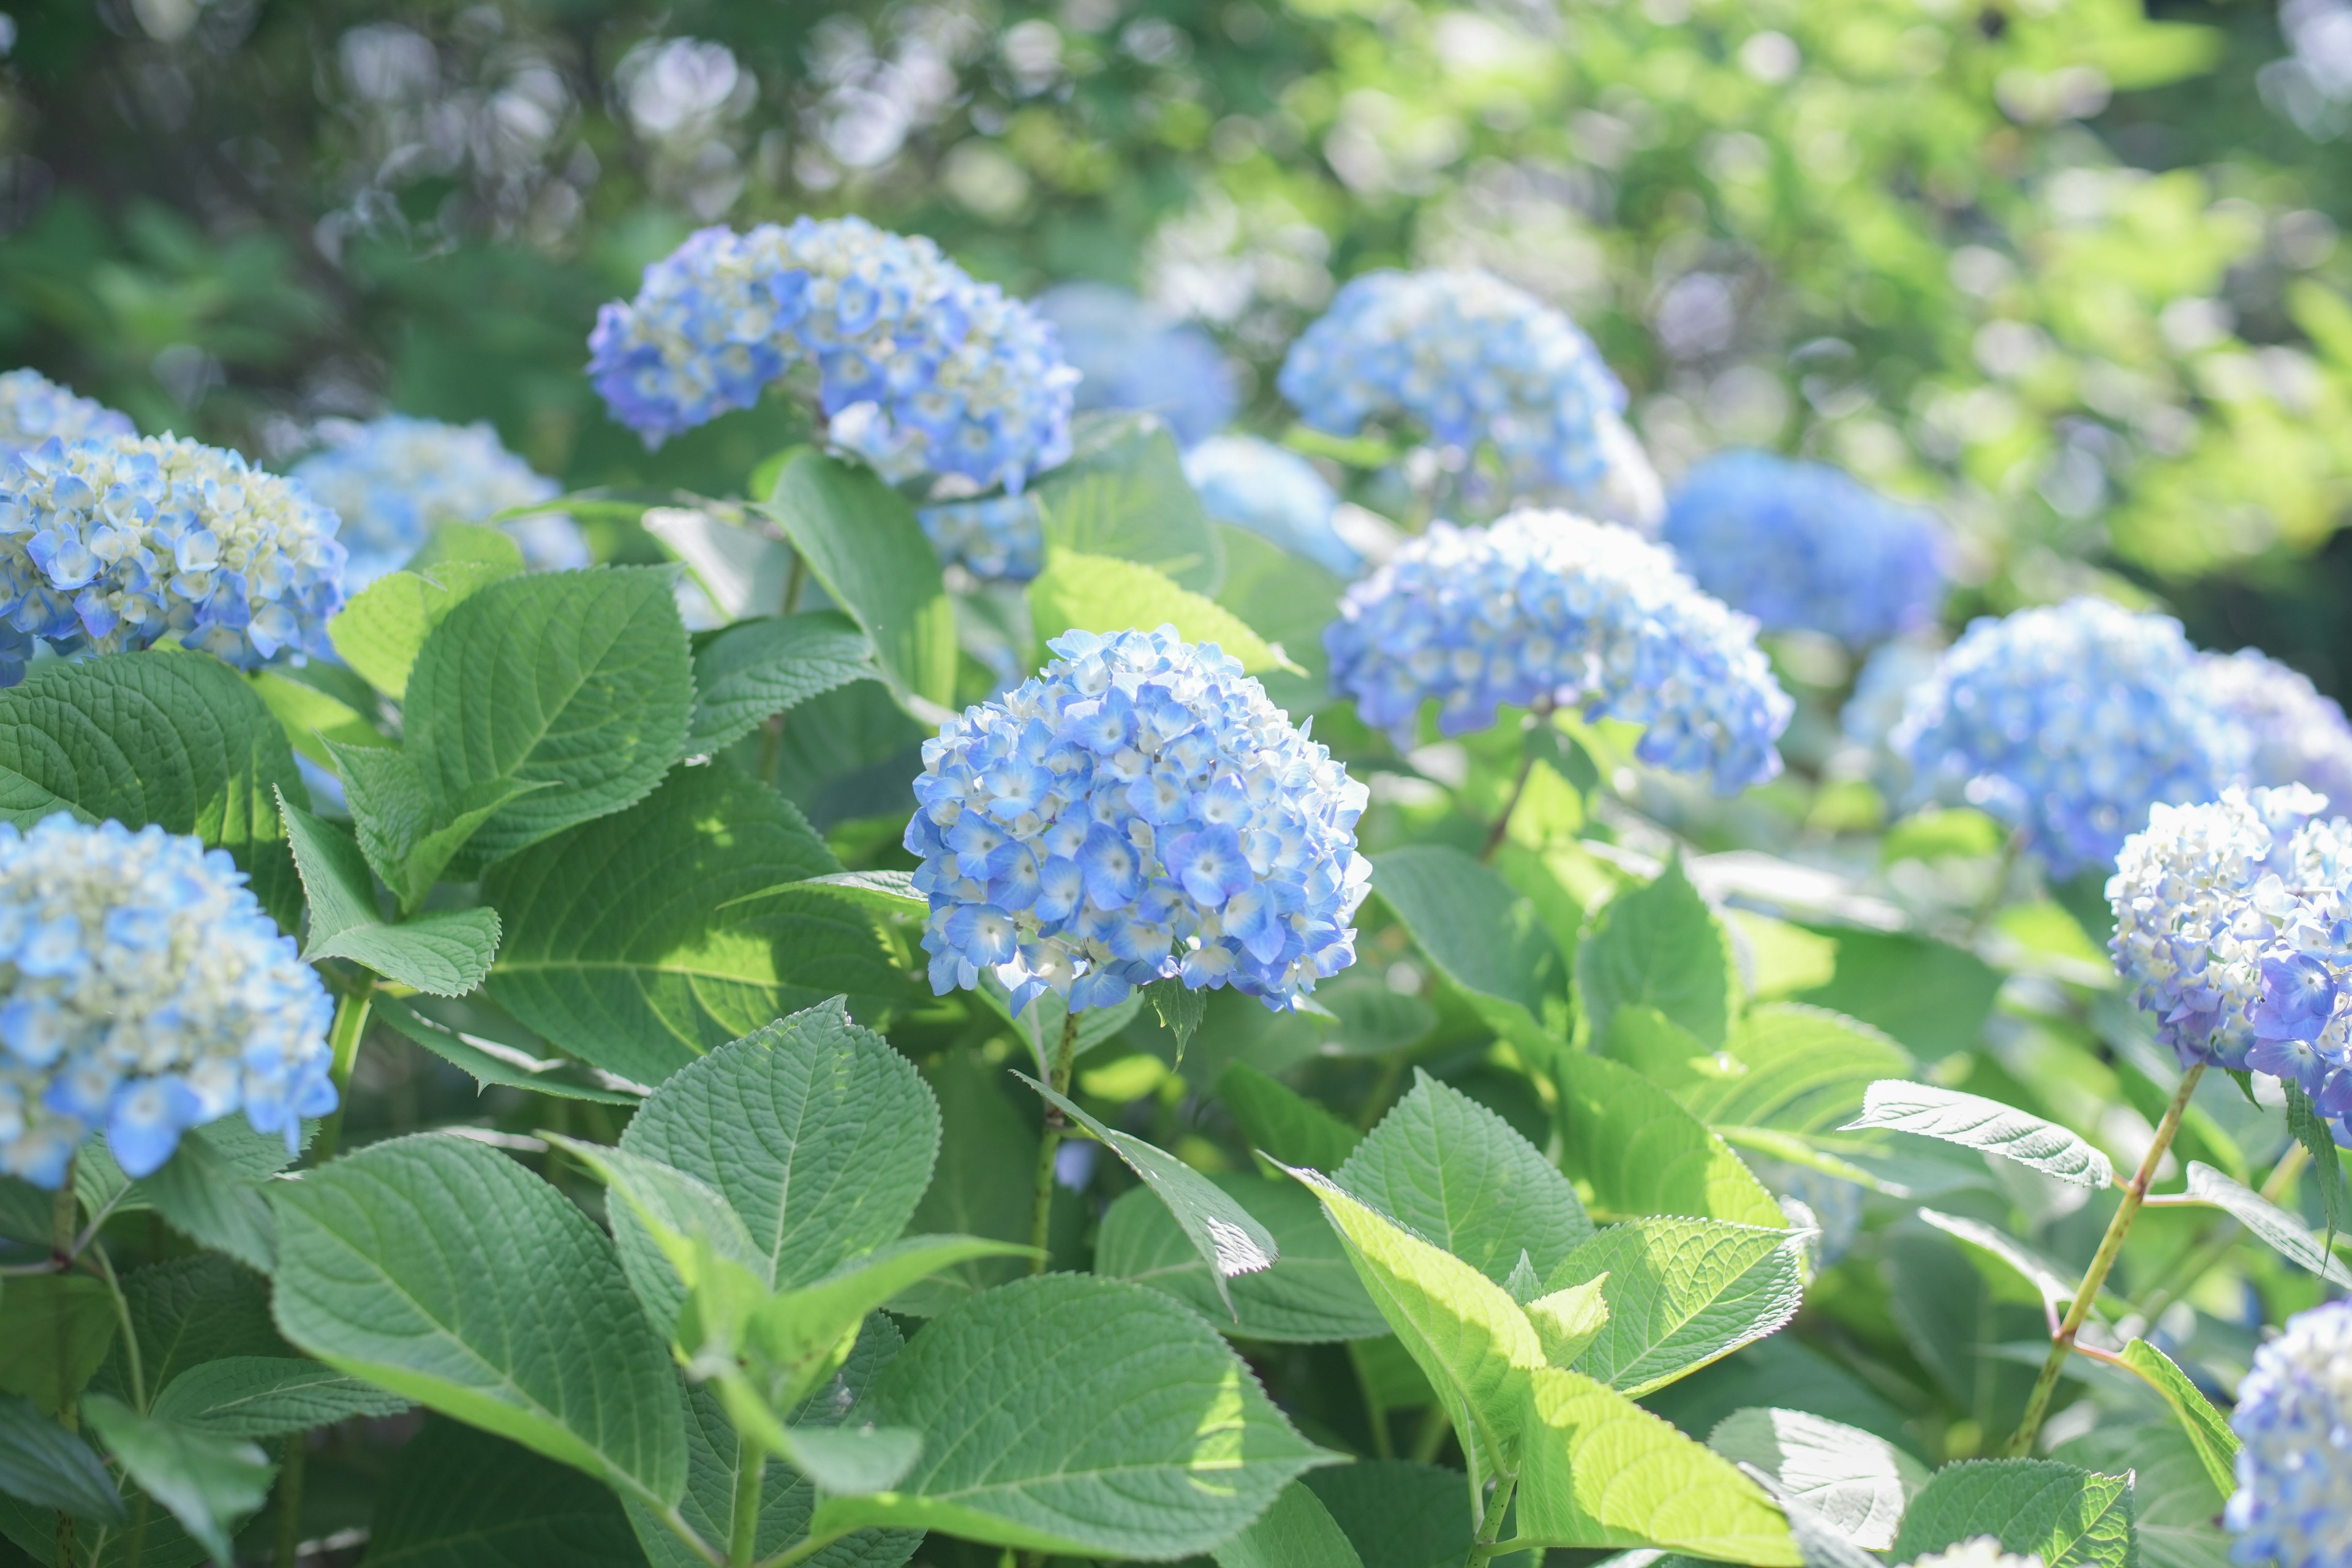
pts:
[344, 1039]
[1040, 1214]
[62, 1215]
[2096, 1276]
[1490, 1528]
[1496, 834]
[743, 1528]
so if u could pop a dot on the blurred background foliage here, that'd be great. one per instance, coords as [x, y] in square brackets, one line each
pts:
[2068, 269]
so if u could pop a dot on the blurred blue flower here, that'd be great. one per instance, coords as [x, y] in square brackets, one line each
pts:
[1805, 547]
[2298, 736]
[33, 408]
[918, 368]
[1137, 810]
[2293, 1508]
[1132, 360]
[1472, 360]
[142, 993]
[108, 544]
[1547, 606]
[1274, 493]
[1883, 687]
[995, 538]
[2069, 723]
[395, 479]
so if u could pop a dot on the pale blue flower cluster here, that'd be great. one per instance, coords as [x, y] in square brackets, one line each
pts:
[33, 408]
[2298, 736]
[1137, 810]
[998, 539]
[1473, 361]
[1880, 692]
[1806, 547]
[142, 993]
[395, 479]
[918, 368]
[108, 544]
[1131, 360]
[2293, 1508]
[1547, 607]
[1274, 494]
[2068, 723]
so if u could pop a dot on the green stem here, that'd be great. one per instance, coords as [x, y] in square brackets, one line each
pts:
[1435, 1428]
[290, 1501]
[344, 1039]
[743, 1528]
[2011, 853]
[63, 1212]
[1502, 824]
[1041, 1213]
[130, 1358]
[1490, 1527]
[795, 583]
[2096, 1276]
[800, 1551]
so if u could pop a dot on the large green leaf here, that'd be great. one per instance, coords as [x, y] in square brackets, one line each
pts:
[1955, 1325]
[1596, 1469]
[1480, 934]
[1398, 1514]
[410, 839]
[742, 565]
[380, 632]
[1297, 1532]
[817, 1133]
[632, 941]
[1100, 594]
[2208, 1429]
[210, 1483]
[749, 672]
[2067, 1517]
[1659, 945]
[208, 1201]
[2176, 1509]
[48, 1467]
[672, 1231]
[458, 1498]
[54, 1333]
[1972, 1121]
[1076, 1415]
[1310, 1296]
[1284, 1123]
[1793, 1069]
[445, 953]
[2276, 1228]
[985, 1180]
[489, 1062]
[1123, 493]
[1287, 600]
[268, 1397]
[1453, 1172]
[440, 1270]
[188, 1312]
[1642, 1153]
[1855, 1480]
[174, 739]
[862, 541]
[1931, 995]
[1682, 1293]
[577, 681]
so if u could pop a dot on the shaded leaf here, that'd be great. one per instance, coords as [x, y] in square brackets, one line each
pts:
[749, 672]
[210, 1202]
[1480, 934]
[863, 542]
[2206, 1429]
[458, 1498]
[1297, 1532]
[445, 953]
[1661, 946]
[1310, 1296]
[1642, 1153]
[2069, 1518]
[1857, 1482]
[211, 1484]
[47, 1465]
[1287, 1125]
[380, 632]
[489, 1062]
[54, 1332]
[268, 1397]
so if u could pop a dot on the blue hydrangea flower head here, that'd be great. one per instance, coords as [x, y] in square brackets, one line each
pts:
[395, 479]
[2069, 722]
[1547, 607]
[1133, 360]
[2293, 1508]
[918, 368]
[1805, 547]
[1472, 361]
[142, 993]
[1275, 494]
[107, 544]
[1137, 810]
[994, 538]
[33, 408]
[2298, 736]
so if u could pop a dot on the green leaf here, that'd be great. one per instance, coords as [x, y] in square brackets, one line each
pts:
[744, 569]
[2176, 1509]
[1453, 1172]
[489, 1062]
[1855, 1480]
[2276, 1228]
[458, 1498]
[1641, 1153]
[818, 1134]
[1567, 1321]
[399, 1265]
[48, 1467]
[1310, 1296]
[861, 540]
[661, 1219]
[1123, 493]
[1101, 594]
[1795, 1069]
[575, 680]
[1287, 1125]
[2054, 1288]
[54, 1332]
[2207, 1428]
[1222, 1232]
[188, 1312]
[1076, 1414]
[984, 1182]
[2310, 1129]
[1297, 1532]
[380, 632]
[268, 1397]
[1180, 1009]
[1931, 995]
[624, 944]
[445, 953]
[1952, 1321]
[210, 1483]
[1599, 1470]
[1481, 934]
[1682, 1293]
[174, 739]
[311, 718]
[1973, 1121]
[408, 840]
[763, 667]
[2067, 1517]
[1399, 1514]
[1661, 946]
[207, 1201]
[884, 892]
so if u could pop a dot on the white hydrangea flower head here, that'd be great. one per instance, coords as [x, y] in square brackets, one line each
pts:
[2293, 1507]
[144, 992]
[33, 408]
[1983, 1552]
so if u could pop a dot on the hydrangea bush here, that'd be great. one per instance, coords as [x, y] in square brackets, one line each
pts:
[1086, 1018]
